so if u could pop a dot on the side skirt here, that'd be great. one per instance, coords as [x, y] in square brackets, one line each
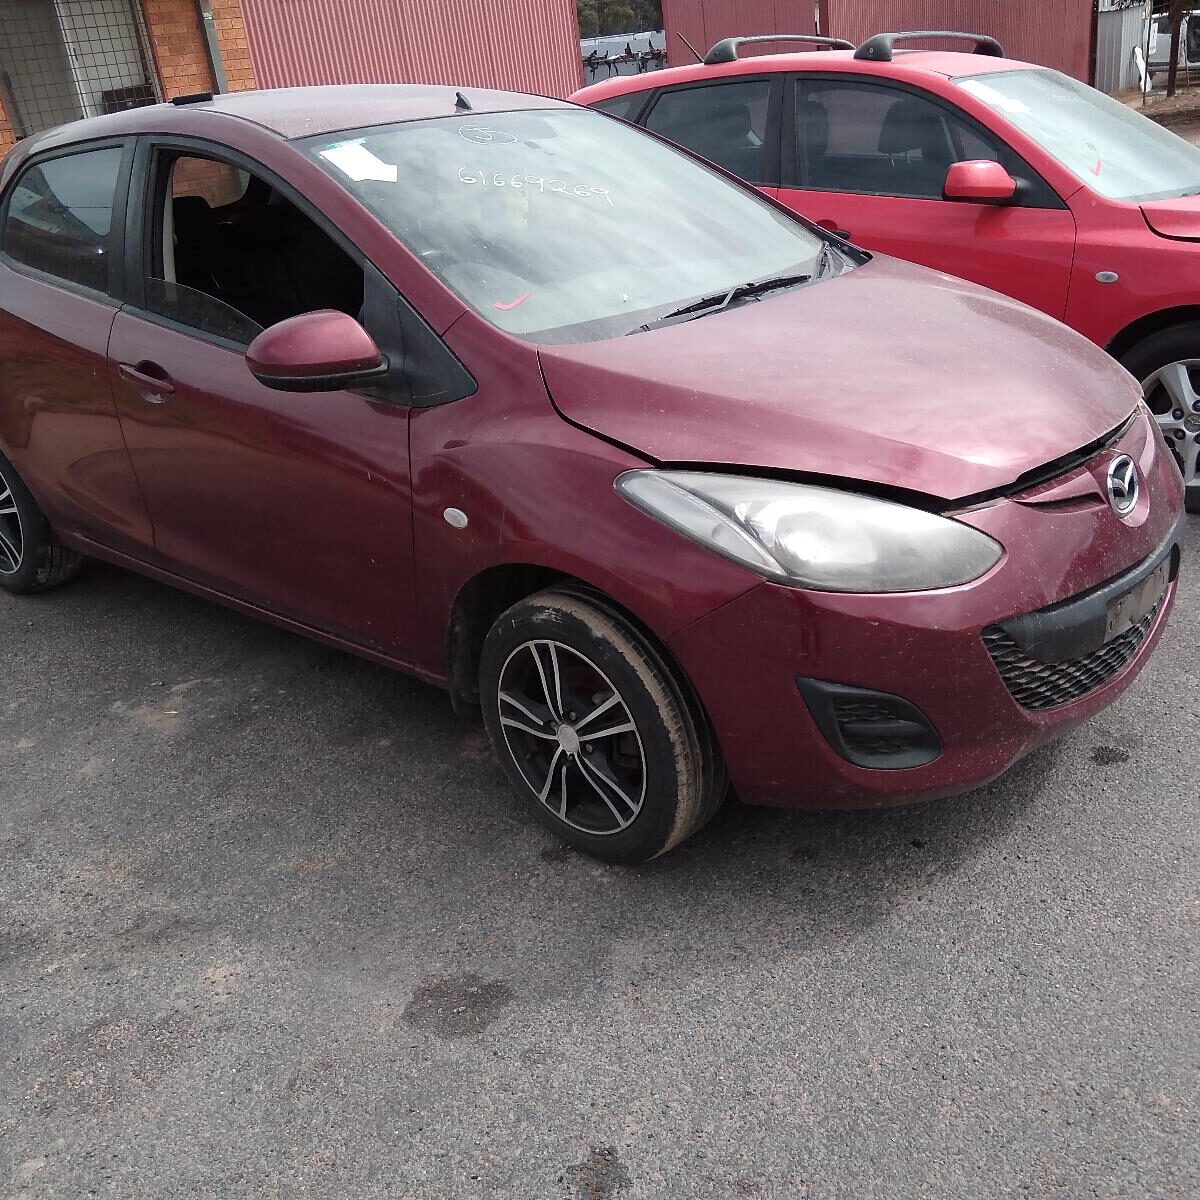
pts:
[92, 549]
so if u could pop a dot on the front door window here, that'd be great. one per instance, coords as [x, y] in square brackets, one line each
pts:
[879, 141]
[233, 255]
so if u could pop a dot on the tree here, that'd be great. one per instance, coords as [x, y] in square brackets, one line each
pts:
[649, 14]
[589, 22]
[598, 17]
[618, 18]
[1176, 19]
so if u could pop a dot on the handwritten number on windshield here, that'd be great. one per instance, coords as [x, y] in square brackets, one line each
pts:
[533, 183]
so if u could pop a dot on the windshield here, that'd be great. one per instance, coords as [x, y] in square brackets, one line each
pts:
[563, 225]
[1102, 142]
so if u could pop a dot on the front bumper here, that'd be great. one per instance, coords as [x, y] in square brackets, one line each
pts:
[929, 649]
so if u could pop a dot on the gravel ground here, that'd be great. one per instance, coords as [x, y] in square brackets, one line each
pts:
[274, 926]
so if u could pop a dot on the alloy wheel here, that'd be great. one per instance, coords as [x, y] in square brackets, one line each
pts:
[1173, 395]
[572, 736]
[12, 538]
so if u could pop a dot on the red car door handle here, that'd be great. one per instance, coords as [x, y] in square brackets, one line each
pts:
[148, 378]
[831, 226]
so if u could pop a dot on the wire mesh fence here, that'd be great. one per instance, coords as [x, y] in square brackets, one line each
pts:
[65, 59]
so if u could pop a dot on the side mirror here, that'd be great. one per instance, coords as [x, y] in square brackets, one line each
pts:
[981, 182]
[315, 352]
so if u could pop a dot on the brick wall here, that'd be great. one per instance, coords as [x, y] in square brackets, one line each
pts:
[217, 183]
[231, 36]
[6, 133]
[179, 51]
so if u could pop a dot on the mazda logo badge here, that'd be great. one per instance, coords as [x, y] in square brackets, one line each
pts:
[1122, 485]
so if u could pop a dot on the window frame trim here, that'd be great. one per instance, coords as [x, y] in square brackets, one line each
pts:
[790, 158]
[648, 97]
[113, 294]
[772, 131]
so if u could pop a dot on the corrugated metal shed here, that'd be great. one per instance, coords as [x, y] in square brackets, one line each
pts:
[522, 45]
[1118, 31]
[1057, 34]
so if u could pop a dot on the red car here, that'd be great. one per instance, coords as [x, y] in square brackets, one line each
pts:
[510, 395]
[993, 170]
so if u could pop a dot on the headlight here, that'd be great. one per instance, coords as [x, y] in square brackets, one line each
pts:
[814, 537]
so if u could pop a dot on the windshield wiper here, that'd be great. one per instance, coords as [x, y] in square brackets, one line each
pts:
[824, 260]
[719, 301]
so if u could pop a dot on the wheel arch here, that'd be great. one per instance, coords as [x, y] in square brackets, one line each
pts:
[1150, 324]
[493, 590]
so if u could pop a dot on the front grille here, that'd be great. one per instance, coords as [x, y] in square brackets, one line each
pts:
[1040, 685]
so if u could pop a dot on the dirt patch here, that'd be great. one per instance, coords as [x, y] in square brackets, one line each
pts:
[459, 1006]
[1180, 114]
[600, 1176]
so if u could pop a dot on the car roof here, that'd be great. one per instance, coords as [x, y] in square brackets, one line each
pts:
[907, 64]
[304, 111]
[299, 112]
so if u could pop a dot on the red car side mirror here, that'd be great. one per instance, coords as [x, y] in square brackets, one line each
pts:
[981, 182]
[315, 352]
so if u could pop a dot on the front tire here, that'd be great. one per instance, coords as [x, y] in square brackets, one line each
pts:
[594, 729]
[32, 559]
[1167, 364]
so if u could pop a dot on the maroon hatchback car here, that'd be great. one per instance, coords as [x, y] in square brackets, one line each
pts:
[675, 487]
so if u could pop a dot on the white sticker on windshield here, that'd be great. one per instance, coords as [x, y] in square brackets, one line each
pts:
[993, 98]
[356, 162]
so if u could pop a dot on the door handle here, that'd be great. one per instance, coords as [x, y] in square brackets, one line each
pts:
[831, 227]
[149, 379]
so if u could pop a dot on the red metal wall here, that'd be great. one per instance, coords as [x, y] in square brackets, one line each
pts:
[523, 45]
[704, 22]
[1054, 33]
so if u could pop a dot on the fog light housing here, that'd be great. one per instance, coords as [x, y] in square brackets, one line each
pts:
[871, 729]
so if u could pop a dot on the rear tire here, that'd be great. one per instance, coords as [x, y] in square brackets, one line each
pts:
[1167, 365]
[32, 559]
[595, 730]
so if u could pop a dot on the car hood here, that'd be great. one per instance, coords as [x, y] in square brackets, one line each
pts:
[1179, 219]
[888, 374]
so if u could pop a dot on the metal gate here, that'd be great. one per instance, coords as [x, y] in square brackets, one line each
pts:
[65, 59]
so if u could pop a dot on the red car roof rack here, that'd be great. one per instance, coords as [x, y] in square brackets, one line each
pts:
[727, 51]
[879, 47]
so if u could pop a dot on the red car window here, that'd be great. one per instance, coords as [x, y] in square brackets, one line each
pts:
[858, 137]
[725, 123]
[626, 107]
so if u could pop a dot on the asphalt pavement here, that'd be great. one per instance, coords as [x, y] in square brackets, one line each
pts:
[272, 925]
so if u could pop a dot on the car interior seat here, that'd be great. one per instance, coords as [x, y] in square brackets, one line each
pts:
[914, 127]
[726, 137]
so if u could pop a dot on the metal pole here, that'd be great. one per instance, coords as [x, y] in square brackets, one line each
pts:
[212, 46]
[1149, 83]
